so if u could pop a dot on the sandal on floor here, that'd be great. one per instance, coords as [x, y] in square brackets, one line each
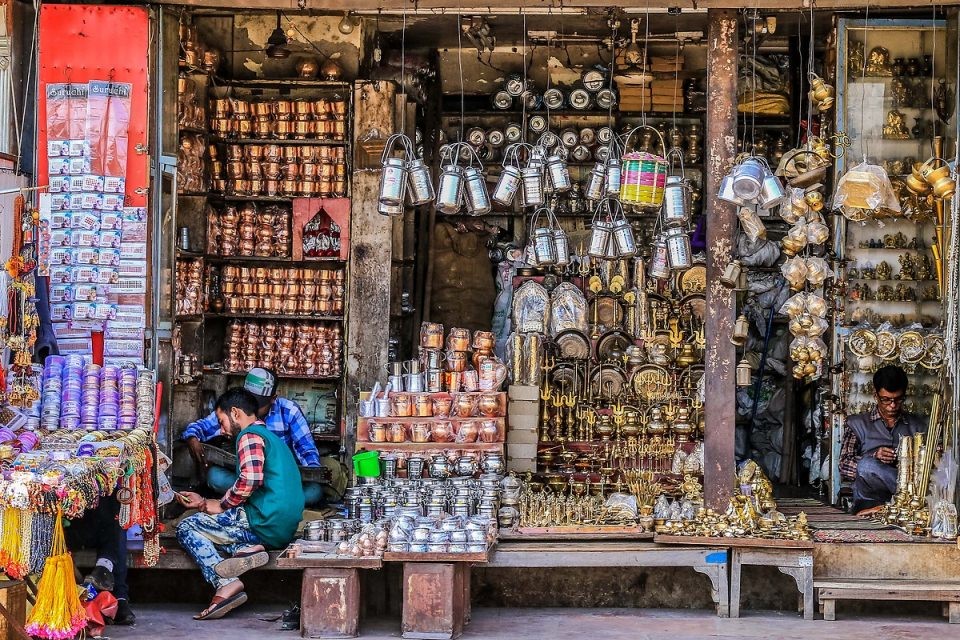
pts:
[220, 606]
[241, 563]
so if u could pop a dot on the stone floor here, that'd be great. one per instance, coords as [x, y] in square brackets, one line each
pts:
[255, 623]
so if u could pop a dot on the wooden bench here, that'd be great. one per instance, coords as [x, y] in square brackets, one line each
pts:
[710, 561]
[829, 590]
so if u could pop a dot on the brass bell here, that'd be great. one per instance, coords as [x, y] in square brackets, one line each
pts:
[732, 274]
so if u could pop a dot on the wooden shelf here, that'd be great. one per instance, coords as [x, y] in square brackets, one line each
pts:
[310, 142]
[272, 316]
[280, 83]
[430, 446]
[287, 261]
[287, 376]
[276, 199]
[197, 130]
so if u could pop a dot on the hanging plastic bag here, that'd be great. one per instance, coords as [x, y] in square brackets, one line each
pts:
[794, 306]
[865, 186]
[751, 224]
[817, 233]
[796, 207]
[817, 271]
[816, 305]
[796, 239]
[795, 271]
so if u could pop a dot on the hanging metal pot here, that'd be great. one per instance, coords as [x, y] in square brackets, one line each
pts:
[676, 196]
[771, 192]
[532, 186]
[626, 244]
[748, 178]
[559, 174]
[507, 185]
[562, 245]
[393, 176]
[419, 182]
[601, 231]
[613, 175]
[450, 191]
[679, 252]
[596, 181]
[659, 267]
[544, 248]
[477, 198]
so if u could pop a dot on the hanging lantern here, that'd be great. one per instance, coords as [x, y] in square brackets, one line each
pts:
[419, 182]
[659, 267]
[741, 331]
[744, 374]
[732, 274]
[643, 175]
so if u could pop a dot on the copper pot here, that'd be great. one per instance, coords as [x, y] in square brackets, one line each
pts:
[271, 187]
[247, 247]
[484, 340]
[256, 186]
[262, 128]
[261, 109]
[235, 169]
[468, 431]
[309, 153]
[252, 305]
[239, 108]
[321, 108]
[233, 305]
[308, 170]
[290, 171]
[322, 129]
[339, 131]
[282, 109]
[254, 169]
[239, 187]
[288, 188]
[220, 107]
[243, 128]
[302, 129]
[271, 169]
[228, 287]
[221, 126]
[339, 108]
[271, 151]
[217, 168]
[302, 108]
[431, 335]
[325, 307]
[291, 154]
[307, 188]
[234, 152]
[442, 431]
[284, 129]
[458, 339]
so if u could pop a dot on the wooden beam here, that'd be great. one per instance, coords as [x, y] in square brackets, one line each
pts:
[368, 287]
[541, 6]
[720, 402]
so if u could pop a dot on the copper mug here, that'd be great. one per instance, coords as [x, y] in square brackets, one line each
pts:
[243, 128]
[239, 187]
[256, 186]
[288, 188]
[234, 152]
[458, 340]
[220, 107]
[284, 129]
[262, 128]
[261, 110]
[302, 108]
[456, 361]
[484, 340]
[254, 169]
[283, 110]
[235, 169]
[424, 405]
[302, 129]
[271, 169]
[271, 151]
[308, 170]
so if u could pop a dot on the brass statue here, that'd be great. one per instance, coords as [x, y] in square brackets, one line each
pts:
[895, 129]
[855, 58]
[878, 64]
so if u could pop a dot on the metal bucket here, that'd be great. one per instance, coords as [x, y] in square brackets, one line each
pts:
[393, 182]
[559, 174]
[600, 236]
[659, 267]
[478, 200]
[626, 244]
[507, 186]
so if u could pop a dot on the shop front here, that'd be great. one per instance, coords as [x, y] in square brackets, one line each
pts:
[559, 287]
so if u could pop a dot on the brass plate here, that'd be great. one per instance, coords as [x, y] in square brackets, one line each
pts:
[615, 341]
[862, 343]
[573, 344]
[697, 304]
[607, 381]
[935, 352]
[565, 377]
[886, 345]
[606, 311]
[693, 280]
[911, 346]
[651, 383]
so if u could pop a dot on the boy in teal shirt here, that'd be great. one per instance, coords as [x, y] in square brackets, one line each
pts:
[260, 511]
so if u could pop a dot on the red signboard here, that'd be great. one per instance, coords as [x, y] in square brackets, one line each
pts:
[80, 43]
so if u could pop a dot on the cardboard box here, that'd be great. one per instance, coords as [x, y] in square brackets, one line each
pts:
[522, 437]
[523, 392]
[523, 423]
[523, 408]
[521, 465]
[528, 451]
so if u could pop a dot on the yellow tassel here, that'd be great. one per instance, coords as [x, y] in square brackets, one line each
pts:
[10, 540]
[58, 613]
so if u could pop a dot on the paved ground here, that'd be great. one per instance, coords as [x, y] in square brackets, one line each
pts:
[174, 621]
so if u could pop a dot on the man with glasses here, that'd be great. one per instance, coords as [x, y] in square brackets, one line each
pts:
[868, 454]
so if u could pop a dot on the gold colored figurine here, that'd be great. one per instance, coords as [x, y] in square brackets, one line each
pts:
[896, 128]
[878, 64]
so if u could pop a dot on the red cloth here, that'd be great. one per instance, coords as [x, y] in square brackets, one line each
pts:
[102, 607]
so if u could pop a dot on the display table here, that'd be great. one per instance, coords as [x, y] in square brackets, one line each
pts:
[436, 593]
[330, 594]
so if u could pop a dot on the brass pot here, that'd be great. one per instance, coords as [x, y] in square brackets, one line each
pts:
[217, 168]
[272, 151]
[261, 110]
[944, 187]
[915, 181]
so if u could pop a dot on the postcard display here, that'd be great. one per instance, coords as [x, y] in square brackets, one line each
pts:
[92, 247]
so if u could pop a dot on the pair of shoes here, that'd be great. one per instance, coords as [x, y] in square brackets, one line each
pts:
[101, 578]
[124, 616]
[241, 563]
[290, 620]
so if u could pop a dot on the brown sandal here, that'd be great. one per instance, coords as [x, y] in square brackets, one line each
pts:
[220, 606]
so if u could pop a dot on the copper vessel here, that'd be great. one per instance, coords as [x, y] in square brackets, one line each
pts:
[288, 188]
[243, 128]
[271, 169]
[262, 129]
[308, 170]
[284, 129]
[282, 109]
[220, 107]
[240, 109]
[234, 152]
[261, 110]
[302, 129]
[271, 187]
[271, 151]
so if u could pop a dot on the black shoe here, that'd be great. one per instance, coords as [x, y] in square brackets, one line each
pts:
[290, 620]
[101, 578]
[124, 616]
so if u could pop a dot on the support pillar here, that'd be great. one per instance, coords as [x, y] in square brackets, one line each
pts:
[368, 301]
[721, 363]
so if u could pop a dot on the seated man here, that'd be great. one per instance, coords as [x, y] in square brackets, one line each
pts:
[281, 416]
[260, 511]
[868, 454]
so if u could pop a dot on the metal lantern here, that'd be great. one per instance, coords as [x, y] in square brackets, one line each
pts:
[748, 178]
[450, 191]
[477, 198]
[744, 374]
[659, 267]
[741, 331]
[732, 274]
[419, 182]
[679, 252]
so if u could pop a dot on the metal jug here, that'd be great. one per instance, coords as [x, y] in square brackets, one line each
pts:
[679, 252]
[450, 193]
[596, 181]
[626, 244]
[507, 185]
[478, 200]
[559, 174]
[532, 186]
[676, 202]
[419, 182]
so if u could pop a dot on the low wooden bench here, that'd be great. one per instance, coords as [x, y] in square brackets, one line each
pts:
[829, 590]
[713, 562]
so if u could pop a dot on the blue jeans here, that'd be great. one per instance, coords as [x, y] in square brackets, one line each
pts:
[876, 482]
[204, 535]
[220, 479]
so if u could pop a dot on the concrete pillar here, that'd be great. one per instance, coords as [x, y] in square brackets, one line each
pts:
[721, 363]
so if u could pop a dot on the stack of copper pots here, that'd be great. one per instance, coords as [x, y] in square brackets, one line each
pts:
[290, 348]
[189, 288]
[276, 170]
[248, 230]
[280, 119]
[292, 291]
[455, 368]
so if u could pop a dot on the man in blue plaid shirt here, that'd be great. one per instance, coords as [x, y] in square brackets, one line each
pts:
[281, 416]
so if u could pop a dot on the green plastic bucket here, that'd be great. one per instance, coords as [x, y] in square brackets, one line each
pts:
[366, 464]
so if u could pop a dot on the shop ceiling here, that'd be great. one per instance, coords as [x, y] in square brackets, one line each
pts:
[554, 6]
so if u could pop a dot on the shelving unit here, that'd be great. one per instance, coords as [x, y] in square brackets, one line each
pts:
[202, 335]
